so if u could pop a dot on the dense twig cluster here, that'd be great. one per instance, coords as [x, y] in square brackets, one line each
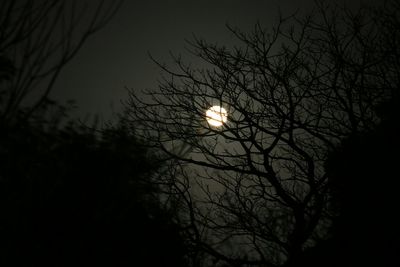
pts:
[255, 191]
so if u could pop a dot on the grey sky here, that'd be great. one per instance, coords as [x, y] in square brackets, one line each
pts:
[116, 57]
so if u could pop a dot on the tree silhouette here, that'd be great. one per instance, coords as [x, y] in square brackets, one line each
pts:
[363, 186]
[254, 191]
[74, 197]
[70, 195]
[37, 40]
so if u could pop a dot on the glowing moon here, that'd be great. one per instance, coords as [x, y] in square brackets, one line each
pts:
[216, 116]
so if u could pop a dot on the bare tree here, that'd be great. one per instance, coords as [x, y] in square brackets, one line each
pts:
[37, 40]
[253, 191]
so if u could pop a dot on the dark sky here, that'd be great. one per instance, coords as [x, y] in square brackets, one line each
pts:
[116, 57]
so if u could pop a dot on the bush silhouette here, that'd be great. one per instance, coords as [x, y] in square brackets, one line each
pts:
[69, 198]
[363, 175]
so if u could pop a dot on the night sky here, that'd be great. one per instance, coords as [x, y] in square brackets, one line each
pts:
[73, 192]
[117, 56]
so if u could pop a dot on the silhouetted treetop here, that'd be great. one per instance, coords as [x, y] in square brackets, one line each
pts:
[363, 185]
[75, 196]
[254, 191]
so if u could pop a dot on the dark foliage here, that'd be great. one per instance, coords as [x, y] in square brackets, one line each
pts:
[363, 175]
[69, 198]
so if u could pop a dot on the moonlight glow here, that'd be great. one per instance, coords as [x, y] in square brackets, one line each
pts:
[216, 116]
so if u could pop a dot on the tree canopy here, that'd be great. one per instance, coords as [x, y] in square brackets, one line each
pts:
[254, 191]
[74, 196]
[70, 195]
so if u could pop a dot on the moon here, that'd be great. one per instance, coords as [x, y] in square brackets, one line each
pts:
[216, 116]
